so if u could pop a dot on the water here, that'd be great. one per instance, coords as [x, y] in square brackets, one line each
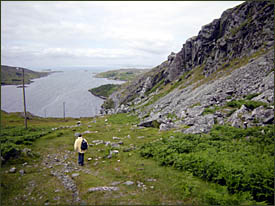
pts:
[45, 96]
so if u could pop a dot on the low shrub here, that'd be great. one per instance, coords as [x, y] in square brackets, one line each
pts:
[108, 104]
[248, 103]
[225, 156]
[14, 139]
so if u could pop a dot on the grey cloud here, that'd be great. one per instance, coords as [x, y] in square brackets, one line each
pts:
[48, 33]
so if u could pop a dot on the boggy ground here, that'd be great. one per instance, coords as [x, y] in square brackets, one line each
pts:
[114, 174]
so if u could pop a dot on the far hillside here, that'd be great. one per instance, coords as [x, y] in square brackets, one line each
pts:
[104, 91]
[121, 74]
[13, 76]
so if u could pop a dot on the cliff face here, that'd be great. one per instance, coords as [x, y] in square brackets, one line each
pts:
[229, 62]
[239, 31]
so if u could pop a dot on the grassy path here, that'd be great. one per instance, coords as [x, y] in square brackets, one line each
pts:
[53, 176]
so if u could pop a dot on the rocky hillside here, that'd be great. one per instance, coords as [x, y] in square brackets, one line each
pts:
[224, 75]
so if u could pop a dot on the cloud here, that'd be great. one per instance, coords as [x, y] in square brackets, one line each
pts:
[73, 32]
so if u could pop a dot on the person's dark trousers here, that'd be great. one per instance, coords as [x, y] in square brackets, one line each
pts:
[81, 159]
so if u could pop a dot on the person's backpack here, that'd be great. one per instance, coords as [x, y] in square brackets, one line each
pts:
[84, 145]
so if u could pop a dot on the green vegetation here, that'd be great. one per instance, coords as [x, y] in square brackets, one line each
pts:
[121, 74]
[172, 116]
[242, 161]
[248, 103]
[165, 89]
[105, 90]
[225, 151]
[14, 139]
[108, 104]
[159, 86]
[210, 110]
[12, 76]
[251, 96]
[194, 105]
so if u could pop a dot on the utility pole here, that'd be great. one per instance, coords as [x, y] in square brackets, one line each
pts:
[24, 100]
[64, 110]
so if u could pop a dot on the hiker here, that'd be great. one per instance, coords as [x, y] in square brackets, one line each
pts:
[81, 147]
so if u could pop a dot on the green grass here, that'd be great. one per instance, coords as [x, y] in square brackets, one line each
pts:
[248, 103]
[172, 186]
[210, 110]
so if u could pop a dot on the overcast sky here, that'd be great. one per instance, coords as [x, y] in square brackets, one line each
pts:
[40, 35]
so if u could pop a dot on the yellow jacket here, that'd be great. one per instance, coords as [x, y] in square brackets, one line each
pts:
[77, 145]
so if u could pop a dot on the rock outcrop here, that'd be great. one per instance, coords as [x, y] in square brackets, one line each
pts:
[231, 59]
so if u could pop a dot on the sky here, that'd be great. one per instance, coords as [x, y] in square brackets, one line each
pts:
[140, 34]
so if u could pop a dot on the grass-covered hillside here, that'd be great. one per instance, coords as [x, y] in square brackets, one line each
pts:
[127, 164]
[121, 74]
[104, 91]
[12, 76]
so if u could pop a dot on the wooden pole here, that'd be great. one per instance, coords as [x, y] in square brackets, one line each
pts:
[64, 110]
[24, 100]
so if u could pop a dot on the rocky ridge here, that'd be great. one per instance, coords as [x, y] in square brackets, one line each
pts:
[229, 60]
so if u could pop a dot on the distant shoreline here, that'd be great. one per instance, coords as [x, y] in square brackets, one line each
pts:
[28, 81]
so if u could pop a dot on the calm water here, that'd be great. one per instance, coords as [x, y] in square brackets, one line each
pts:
[45, 96]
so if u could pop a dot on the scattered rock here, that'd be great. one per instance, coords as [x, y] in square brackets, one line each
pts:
[27, 152]
[98, 142]
[12, 170]
[264, 115]
[75, 175]
[56, 198]
[151, 180]
[87, 132]
[166, 126]
[76, 134]
[22, 172]
[115, 183]
[128, 183]
[114, 151]
[95, 189]
[127, 149]
[115, 145]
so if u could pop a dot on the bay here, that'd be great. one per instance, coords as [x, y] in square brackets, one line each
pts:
[45, 96]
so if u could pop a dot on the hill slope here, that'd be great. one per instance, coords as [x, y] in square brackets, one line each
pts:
[230, 60]
[12, 76]
[40, 166]
[121, 74]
